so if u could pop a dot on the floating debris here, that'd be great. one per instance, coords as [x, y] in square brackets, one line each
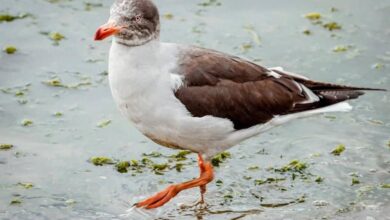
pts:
[100, 161]
[220, 158]
[6, 146]
[355, 181]
[122, 166]
[319, 179]
[307, 32]
[58, 114]
[10, 49]
[338, 150]
[179, 167]
[294, 166]
[341, 48]
[252, 168]
[104, 123]
[27, 122]
[219, 182]
[56, 37]
[6, 17]
[26, 185]
[15, 202]
[255, 36]
[386, 186]
[152, 154]
[160, 167]
[181, 155]
[268, 180]
[320, 203]
[377, 66]
[210, 3]
[313, 16]
[70, 202]
[276, 205]
[333, 9]
[245, 47]
[88, 6]
[376, 122]
[56, 82]
[332, 26]
[168, 16]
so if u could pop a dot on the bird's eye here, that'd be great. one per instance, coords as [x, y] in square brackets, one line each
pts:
[138, 18]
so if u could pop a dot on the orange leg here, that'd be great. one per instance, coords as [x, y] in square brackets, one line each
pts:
[159, 199]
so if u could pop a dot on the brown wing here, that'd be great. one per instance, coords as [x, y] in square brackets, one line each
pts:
[247, 94]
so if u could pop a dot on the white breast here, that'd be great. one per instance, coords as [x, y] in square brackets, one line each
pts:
[143, 81]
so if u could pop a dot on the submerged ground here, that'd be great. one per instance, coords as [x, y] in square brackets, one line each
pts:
[56, 113]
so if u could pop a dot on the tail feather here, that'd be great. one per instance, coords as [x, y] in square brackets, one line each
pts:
[329, 94]
[320, 86]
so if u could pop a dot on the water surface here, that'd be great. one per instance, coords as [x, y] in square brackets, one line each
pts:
[53, 152]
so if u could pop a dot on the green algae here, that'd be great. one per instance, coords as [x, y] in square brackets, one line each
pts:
[15, 202]
[56, 36]
[332, 26]
[319, 179]
[26, 185]
[6, 17]
[220, 158]
[10, 49]
[340, 48]
[268, 180]
[122, 166]
[313, 16]
[104, 123]
[338, 150]
[100, 161]
[56, 82]
[181, 155]
[168, 16]
[179, 167]
[385, 186]
[355, 181]
[293, 166]
[253, 168]
[58, 114]
[208, 3]
[307, 32]
[27, 122]
[6, 146]
[152, 154]
[88, 6]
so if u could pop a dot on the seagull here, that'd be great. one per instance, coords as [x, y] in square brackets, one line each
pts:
[201, 100]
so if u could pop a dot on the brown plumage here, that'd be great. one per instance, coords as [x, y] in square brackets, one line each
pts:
[246, 93]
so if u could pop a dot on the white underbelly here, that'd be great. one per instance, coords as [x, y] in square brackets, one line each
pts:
[144, 95]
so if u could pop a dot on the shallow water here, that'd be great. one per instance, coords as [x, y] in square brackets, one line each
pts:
[53, 152]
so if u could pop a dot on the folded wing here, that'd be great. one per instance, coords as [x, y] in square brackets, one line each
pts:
[246, 93]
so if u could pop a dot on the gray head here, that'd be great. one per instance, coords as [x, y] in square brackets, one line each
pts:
[132, 22]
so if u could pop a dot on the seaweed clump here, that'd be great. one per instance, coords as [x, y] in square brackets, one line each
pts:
[338, 150]
[220, 158]
[100, 161]
[6, 146]
[10, 49]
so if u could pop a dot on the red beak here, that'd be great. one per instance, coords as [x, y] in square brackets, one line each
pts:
[106, 30]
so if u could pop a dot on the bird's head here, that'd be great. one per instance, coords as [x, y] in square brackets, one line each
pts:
[132, 22]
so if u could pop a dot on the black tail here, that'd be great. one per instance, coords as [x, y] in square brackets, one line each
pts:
[330, 94]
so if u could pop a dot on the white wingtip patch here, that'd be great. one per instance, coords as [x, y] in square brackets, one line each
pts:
[339, 107]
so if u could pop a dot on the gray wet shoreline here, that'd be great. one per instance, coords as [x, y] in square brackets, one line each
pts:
[60, 85]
